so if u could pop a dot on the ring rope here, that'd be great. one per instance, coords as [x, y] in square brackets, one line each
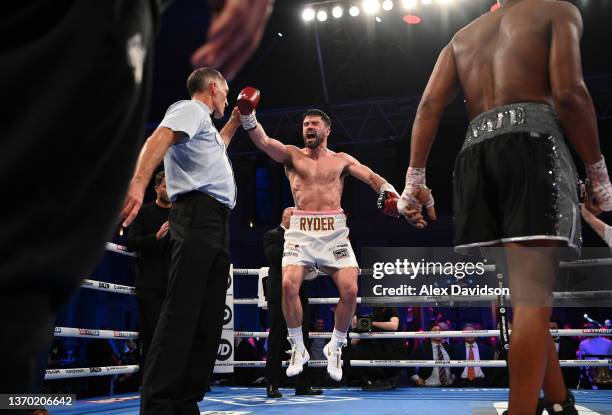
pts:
[108, 287]
[117, 370]
[82, 372]
[119, 249]
[435, 334]
[116, 334]
[559, 295]
[93, 333]
[468, 363]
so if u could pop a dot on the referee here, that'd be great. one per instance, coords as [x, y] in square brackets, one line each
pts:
[202, 189]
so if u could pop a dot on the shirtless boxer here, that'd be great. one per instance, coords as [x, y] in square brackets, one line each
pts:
[317, 236]
[514, 182]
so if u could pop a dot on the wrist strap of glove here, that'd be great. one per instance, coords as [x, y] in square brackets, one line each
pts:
[248, 122]
[387, 187]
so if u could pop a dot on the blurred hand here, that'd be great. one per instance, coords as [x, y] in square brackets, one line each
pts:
[235, 116]
[233, 35]
[133, 201]
[163, 230]
[416, 199]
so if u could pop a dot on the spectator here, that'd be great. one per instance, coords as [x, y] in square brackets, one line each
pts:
[148, 237]
[130, 355]
[566, 349]
[378, 378]
[432, 349]
[470, 349]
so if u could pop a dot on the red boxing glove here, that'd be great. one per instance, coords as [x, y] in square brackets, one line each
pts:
[248, 99]
[387, 200]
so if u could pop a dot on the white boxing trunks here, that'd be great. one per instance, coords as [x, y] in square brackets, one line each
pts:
[318, 239]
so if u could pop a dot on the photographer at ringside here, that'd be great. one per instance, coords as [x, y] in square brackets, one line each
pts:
[380, 320]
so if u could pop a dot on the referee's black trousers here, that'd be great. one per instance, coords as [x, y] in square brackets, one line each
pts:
[184, 347]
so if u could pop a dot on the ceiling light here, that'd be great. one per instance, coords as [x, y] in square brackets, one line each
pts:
[371, 6]
[308, 14]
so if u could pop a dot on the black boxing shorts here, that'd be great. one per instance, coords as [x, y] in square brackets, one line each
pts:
[515, 180]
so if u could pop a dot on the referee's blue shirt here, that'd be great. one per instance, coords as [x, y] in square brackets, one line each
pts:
[198, 161]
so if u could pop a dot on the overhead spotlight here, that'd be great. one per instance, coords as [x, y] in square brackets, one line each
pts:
[308, 14]
[280, 34]
[378, 19]
[322, 15]
[409, 4]
[354, 11]
[337, 12]
[387, 5]
[371, 6]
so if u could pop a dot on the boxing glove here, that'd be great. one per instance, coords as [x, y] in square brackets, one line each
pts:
[248, 99]
[387, 200]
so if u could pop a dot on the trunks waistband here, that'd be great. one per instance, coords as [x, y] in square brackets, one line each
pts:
[529, 117]
[318, 213]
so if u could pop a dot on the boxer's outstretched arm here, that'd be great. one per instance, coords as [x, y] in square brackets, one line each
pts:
[441, 89]
[275, 149]
[572, 100]
[363, 172]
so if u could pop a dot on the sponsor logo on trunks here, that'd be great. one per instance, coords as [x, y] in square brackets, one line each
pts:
[325, 223]
[342, 246]
[225, 350]
[341, 253]
[227, 315]
[290, 253]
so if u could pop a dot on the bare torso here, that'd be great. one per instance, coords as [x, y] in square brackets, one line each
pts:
[316, 181]
[502, 57]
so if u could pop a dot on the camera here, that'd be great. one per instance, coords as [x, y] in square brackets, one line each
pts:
[364, 324]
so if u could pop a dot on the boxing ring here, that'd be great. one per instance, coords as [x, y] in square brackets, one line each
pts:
[420, 401]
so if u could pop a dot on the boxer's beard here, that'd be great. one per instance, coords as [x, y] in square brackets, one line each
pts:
[314, 144]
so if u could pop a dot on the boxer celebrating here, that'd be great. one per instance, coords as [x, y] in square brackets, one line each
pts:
[514, 181]
[317, 235]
